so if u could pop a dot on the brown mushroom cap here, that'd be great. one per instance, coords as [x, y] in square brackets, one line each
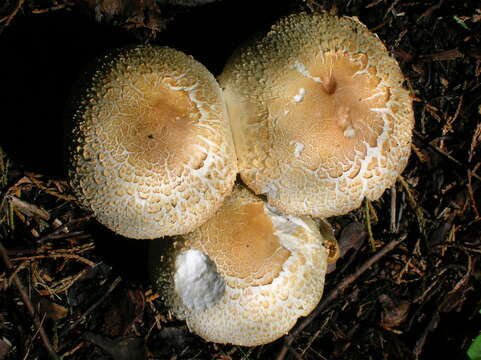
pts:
[152, 152]
[319, 115]
[246, 275]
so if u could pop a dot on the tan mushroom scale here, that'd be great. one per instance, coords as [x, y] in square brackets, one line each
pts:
[319, 115]
[246, 275]
[152, 152]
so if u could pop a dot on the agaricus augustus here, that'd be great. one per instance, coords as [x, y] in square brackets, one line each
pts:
[319, 115]
[246, 275]
[152, 151]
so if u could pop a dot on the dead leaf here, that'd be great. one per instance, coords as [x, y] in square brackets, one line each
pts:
[352, 237]
[52, 310]
[395, 311]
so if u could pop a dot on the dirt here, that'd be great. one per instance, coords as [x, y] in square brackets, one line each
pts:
[89, 288]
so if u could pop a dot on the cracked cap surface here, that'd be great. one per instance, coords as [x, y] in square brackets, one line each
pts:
[273, 267]
[319, 115]
[152, 153]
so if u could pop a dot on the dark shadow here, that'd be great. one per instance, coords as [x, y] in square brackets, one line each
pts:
[127, 257]
[210, 33]
[41, 56]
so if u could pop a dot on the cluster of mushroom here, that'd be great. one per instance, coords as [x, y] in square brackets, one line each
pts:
[314, 118]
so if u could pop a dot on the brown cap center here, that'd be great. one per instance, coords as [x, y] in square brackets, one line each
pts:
[331, 110]
[246, 246]
[158, 123]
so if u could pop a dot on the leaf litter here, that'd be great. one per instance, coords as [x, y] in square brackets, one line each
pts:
[411, 291]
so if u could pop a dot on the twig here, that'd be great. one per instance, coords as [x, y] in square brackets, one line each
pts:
[456, 161]
[53, 8]
[471, 192]
[430, 10]
[62, 285]
[78, 235]
[475, 141]
[368, 225]
[4, 165]
[93, 306]
[29, 209]
[445, 55]
[15, 272]
[38, 183]
[444, 306]
[63, 227]
[374, 3]
[393, 224]
[67, 256]
[73, 350]
[445, 154]
[13, 11]
[29, 306]
[414, 205]
[334, 293]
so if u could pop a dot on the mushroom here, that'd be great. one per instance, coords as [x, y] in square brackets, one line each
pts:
[246, 275]
[152, 151]
[319, 115]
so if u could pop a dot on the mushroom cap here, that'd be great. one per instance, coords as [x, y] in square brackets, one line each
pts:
[152, 152]
[319, 115]
[246, 275]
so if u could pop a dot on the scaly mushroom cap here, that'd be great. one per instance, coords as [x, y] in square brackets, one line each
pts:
[152, 152]
[246, 275]
[319, 115]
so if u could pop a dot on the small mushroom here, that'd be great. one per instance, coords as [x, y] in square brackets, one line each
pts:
[246, 275]
[152, 151]
[319, 115]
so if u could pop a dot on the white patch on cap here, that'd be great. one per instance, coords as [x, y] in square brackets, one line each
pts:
[271, 190]
[349, 132]
[298, 147]
[300, 95]
[197, 281]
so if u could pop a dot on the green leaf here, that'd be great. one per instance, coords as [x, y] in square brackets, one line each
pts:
[474, 351]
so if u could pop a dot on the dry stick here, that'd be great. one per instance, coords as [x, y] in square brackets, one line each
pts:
[50, 9]
[67, 256]
[38, 183]
[13, 11]
[339, 289]
[29, 306]
[393, 225]
[93, 306]
[431, 9]
[457, 162]
[471, 192]
[368, 225]
[414, 205]
[63, 227]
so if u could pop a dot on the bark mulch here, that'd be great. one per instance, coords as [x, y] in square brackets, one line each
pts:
[408, 283]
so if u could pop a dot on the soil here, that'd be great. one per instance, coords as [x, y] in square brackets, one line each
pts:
[89, 288]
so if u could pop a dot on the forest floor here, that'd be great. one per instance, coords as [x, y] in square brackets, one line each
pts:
[408, 284]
